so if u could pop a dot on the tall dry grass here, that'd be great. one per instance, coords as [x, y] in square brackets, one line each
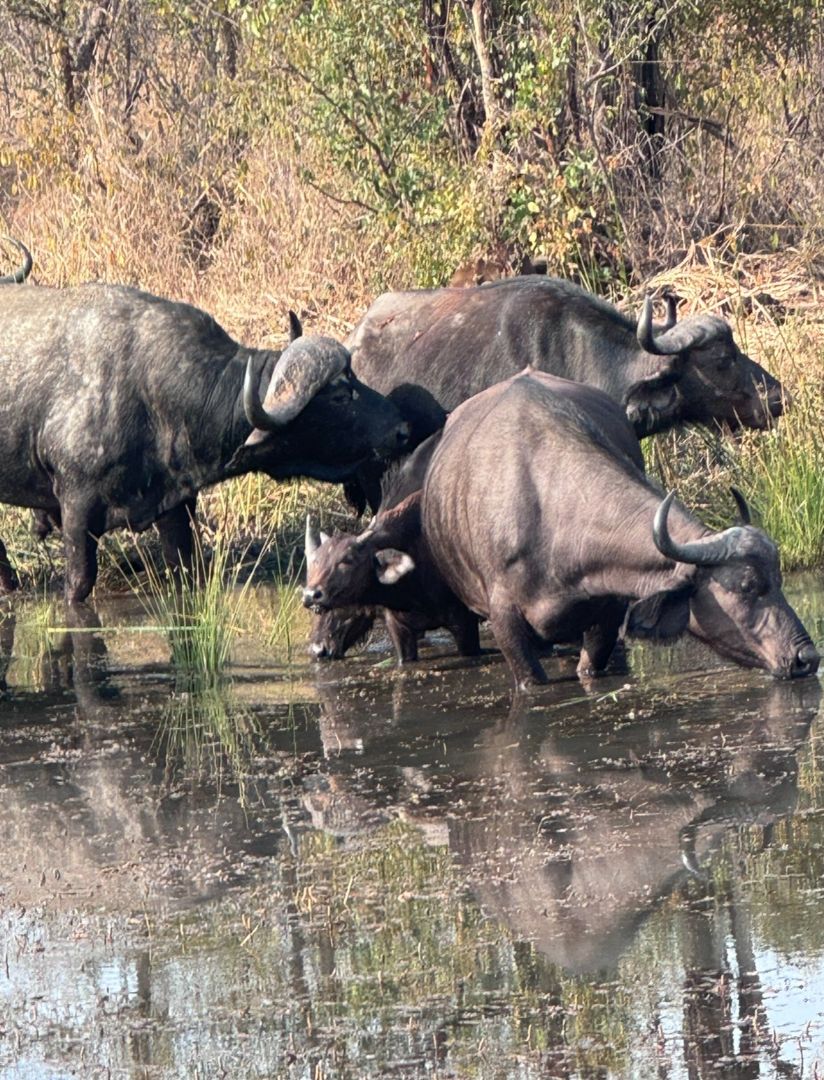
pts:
[124, 216]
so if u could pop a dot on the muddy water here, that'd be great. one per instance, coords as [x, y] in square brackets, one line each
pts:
[347, 871]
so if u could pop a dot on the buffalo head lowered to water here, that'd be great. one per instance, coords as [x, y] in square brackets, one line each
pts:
[349, 578]
[349, 571]
[555, 531]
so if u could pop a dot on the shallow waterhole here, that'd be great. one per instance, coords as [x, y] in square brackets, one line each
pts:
[343, 870]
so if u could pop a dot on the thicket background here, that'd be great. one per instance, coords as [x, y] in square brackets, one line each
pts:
[256, 155]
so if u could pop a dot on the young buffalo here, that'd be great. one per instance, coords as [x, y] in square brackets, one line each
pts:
[349, 578]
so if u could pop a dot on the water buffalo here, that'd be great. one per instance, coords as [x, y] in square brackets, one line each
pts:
[337, 629]
[23, 271]
[457, 342]
[388, 566]
[119, 406]
[555, 531]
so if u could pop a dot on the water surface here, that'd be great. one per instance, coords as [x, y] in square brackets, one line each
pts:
[350, 871]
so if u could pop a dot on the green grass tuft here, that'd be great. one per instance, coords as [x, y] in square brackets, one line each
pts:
[198, 611]
[781, 473]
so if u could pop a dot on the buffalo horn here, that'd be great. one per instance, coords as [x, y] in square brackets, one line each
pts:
[251, 400]
[711, 550]
[295, 326]
[304, 367]
[741, 503]
[19, 275]
[312, 542]
[688, 855]
[679, 337]
[672, 311]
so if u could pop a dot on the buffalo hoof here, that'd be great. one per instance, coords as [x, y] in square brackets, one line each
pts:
[530, 683]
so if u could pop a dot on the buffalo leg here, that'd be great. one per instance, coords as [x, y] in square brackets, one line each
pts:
[515, 640]
[83, 524]
[177, 528]
[464, 629]
[403, 637]
[599, 641]
[8, 578]
[44, 523]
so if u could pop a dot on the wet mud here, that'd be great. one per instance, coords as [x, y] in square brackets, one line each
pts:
[349, 871]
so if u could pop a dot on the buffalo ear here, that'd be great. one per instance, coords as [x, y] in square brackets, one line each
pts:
[392, 565]
[660, 617]
[651, 404]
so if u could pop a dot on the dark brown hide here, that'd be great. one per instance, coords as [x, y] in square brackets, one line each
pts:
[551, 532]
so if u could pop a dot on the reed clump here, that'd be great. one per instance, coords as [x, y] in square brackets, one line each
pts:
[197, 610]
[781, 472]
[773, 305]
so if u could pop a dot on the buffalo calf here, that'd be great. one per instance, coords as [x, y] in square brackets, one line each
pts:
[388, 566]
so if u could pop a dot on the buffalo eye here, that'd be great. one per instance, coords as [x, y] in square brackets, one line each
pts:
[749, 584]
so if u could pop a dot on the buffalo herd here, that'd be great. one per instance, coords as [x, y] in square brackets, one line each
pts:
[494, 431]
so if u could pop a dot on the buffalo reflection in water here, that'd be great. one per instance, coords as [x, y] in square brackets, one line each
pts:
[572, 830]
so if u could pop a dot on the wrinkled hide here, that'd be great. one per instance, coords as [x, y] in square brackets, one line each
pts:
[556, 531]
[119, 406]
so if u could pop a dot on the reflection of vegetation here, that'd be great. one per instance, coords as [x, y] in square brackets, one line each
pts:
[785, 875]
[404, 936]
[34, 644]
[805, 594]
[207, 738]
[368, 958]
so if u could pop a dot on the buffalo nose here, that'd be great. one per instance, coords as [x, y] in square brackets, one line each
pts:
[806, 660]
[319, 650]
[312, 596]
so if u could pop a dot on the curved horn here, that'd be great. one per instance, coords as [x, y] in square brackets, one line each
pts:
[19, 275]
[311, 542]
[712, 549]
[295, 326]
[304, 367]
[252, 406]
[672, 311]
[689, 858]
[741, 503]
[698, 330]
[644, 331]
